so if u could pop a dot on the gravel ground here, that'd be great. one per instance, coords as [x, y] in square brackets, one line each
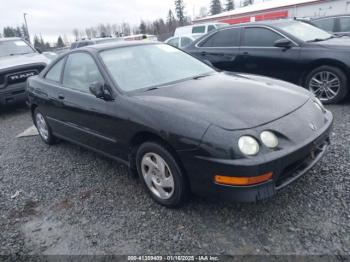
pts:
[72, 201]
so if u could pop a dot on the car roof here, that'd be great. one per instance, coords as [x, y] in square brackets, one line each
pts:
[95, 39]
[111, 45]
[10, 39]
[329, 16]
[106, 39]
[265, 23]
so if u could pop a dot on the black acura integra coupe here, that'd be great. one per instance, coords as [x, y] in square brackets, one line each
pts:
[181, 125]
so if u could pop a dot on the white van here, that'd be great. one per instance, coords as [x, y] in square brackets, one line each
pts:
[197, 29]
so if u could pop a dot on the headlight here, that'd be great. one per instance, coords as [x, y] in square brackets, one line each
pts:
[319, 104]
[248, 145]
[269, 139]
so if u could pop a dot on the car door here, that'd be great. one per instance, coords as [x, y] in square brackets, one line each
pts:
[84, 116]
[259, 55]
[221, 49]
[50, 91]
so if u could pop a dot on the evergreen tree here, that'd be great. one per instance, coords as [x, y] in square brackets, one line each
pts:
[143, 28]
[37, 43]
[215, 7]
[60, 43]
[9, 31]
[171, 18]
[42, 43]
[47, 46]
[180, 11]
[230, 5]
[18, 32]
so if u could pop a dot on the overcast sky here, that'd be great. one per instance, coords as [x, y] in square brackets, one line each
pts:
[52, 18]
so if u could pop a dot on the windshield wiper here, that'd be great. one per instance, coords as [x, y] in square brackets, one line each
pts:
[201, 76]
[320, 39]
[12, 54]
[151, 88]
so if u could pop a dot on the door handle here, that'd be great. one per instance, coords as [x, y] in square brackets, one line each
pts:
[245, 53]
[61, 97]
[203, 53]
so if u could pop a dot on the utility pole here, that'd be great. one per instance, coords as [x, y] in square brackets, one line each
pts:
[25, 21]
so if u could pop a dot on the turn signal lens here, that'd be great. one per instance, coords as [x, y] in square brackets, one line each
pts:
[242, 181]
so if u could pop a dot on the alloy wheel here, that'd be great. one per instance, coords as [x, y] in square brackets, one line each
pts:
[157, 176]
[325, 85]
[42, 126]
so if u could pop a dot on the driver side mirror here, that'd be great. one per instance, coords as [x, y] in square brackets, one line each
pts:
[100, 90]
[283, 42]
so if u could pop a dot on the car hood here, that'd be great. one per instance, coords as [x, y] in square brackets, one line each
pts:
[231, 101]
[20, 60]
[335, 43]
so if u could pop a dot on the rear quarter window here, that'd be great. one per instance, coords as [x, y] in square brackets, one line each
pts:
[54, 73]
[185, 41]
[198, 29]
[211, 28]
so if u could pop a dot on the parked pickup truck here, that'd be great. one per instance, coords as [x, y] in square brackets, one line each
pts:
[18, 61]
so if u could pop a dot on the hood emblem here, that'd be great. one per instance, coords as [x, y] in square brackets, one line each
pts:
[313, 126]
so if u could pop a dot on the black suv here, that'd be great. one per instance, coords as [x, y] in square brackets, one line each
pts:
[290, 50]
[18, 61]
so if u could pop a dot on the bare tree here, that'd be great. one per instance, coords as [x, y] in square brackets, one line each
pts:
[76, 34]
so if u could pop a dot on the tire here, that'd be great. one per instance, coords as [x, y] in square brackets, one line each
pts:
[327, 83]
[159, 181]
[41, 123]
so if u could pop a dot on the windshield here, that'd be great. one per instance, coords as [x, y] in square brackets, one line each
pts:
[14, 47]
[305, 32]
[145, 66]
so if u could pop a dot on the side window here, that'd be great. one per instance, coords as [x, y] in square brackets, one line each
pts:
[174, 42]
[211, 28]
[80, 71]
[185, 41]
[224, 38]
[344, 24]
[198, 29]
[54, 73]
[259, 37]
[325, 24]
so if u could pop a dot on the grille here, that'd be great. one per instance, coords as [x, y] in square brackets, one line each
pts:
[300, 165]
[19, 74]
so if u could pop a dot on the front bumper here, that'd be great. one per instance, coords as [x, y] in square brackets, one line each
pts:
[287, 166]
[13, 94]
